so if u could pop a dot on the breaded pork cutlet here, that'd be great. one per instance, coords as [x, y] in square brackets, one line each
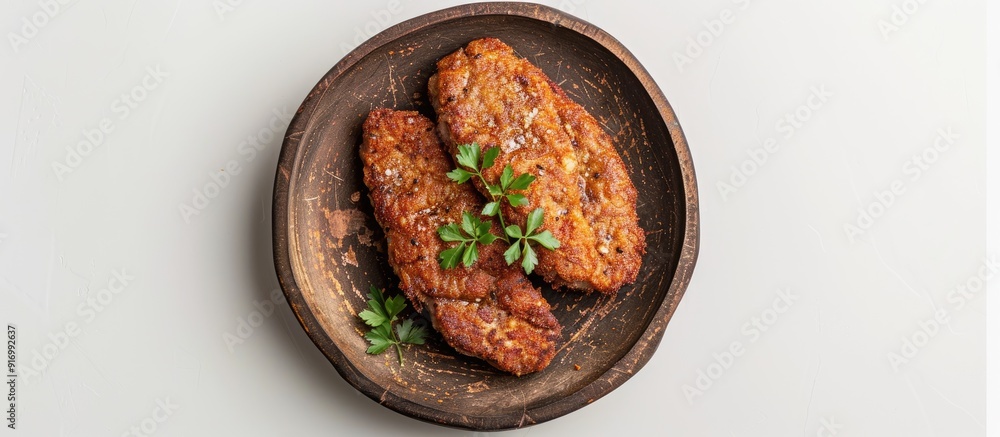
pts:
[489, 310]
[486, 94]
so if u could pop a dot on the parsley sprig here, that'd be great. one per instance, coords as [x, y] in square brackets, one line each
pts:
[380, 315]
[472, 162]
[473, 231]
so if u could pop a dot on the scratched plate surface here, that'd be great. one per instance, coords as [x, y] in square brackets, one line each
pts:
[329, 248]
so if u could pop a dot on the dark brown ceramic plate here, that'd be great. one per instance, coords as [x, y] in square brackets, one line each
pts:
[328, 248]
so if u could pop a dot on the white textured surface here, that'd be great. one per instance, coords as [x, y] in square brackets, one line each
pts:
[824, 364]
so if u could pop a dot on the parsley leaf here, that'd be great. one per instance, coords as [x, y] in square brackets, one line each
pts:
[449, 257]
[450, 233]
[468, 155]
[513, 252]
[470, 256]
[506, 177]
[530, 259]
[491, 209]
[522, 182]
[410, 333]
[473, 231]
[372, 318]
[459, 176]
[490, 156]
[380, 314]
[394, 306]
[467, 224]
[517, 199]
[487, 239]
[379, 341]
[375, 315]
[534, 219]
[546, 239]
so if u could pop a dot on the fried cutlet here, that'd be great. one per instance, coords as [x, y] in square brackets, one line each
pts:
[486, 94]
[489, 310]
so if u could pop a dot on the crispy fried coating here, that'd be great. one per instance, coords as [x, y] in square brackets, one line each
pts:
[490, 310]
[486, 94]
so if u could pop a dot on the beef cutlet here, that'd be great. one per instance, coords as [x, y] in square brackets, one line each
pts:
[489, 310]
[486, 94]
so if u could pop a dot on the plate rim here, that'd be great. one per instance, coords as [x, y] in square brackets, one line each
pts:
[622, 370]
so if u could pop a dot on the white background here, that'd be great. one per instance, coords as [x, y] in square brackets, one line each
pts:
[823, 367]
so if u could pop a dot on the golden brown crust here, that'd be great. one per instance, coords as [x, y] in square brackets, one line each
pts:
[485, 94]
[490, 310]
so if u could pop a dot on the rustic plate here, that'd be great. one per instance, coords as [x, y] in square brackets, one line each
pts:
[328, 248]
